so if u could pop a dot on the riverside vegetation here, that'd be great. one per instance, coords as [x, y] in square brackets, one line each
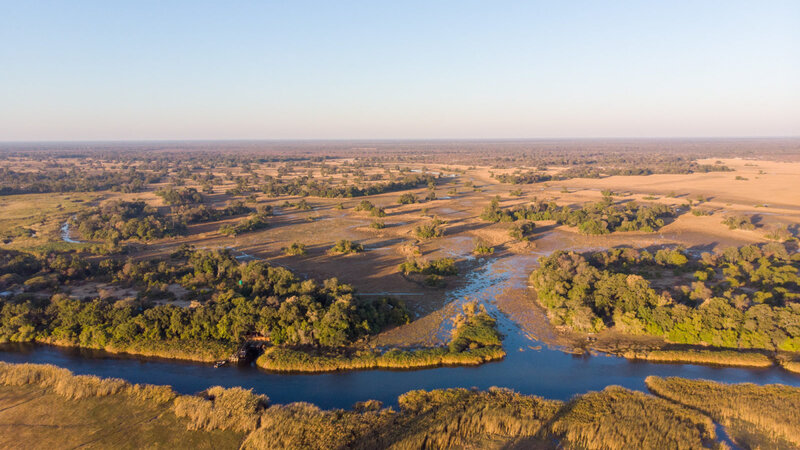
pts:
[235, 300]
[475, 340]
[679, 415]
[743, 298]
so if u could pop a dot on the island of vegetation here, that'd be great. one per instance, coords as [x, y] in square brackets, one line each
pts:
[475, 340]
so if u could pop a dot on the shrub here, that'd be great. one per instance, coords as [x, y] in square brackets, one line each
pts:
[345, 247]
[482, 249]
[295, 249]
[429, 230]
[739, 222]
[407, 199]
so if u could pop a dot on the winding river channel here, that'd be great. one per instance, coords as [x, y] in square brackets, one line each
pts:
[529, 368]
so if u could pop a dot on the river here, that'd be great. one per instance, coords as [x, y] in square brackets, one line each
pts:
[529, 368]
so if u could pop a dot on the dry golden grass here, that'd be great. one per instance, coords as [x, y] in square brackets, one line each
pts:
[714, 357]
[755, 416]
[222, 409]
[617, 418]
[62, 382]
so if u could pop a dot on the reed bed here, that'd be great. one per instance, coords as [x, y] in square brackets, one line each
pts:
[712, 357]
[755, 416]
[66, 384]
[219, 408]
[616, 418]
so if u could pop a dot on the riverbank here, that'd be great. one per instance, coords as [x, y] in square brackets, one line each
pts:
[186, 350]
[281, 359]
[46, 405]
[711, 357]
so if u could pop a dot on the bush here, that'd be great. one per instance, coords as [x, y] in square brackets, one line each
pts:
[482, 249]
[739, 222]
[430, 230]
[407, 199]
[344, 246]
[295, 249]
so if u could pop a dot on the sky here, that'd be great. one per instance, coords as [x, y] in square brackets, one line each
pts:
[150, 70]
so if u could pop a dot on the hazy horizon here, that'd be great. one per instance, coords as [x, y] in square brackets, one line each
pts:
[201, 71]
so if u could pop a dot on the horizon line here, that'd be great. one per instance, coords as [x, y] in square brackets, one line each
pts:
[404, 139]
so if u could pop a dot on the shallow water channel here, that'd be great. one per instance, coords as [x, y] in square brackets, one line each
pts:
[529, 368]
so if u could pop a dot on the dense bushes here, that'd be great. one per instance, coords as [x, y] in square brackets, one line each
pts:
[442, 266]
[344, 247]
[185, 196]
[318, 188]
[739, 222]
[295, 249]
[528, 177]
[245, 299]
[203, 213]
[254, 222]
[745, 297]
[121, 220]
[594, 218]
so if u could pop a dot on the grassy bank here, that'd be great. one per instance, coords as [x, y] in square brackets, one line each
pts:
[189, 350]
[791, 366]
[48, 407]
[290, 360]
[475, 340]
[713, 357]
[755, 416]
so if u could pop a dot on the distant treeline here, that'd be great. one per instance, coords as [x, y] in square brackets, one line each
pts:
[303, 186]
[75, 180]
[747, 297]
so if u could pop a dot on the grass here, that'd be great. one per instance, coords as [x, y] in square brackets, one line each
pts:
[45, 213]
[222, 409]
[48, 407]
[714, 357]
[791, 366]
[282, 359]
[617, 418]
[45, 406]
[191, 350]
[30, 418]
[754, 416]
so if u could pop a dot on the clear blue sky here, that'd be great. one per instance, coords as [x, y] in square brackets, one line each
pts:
[75, 70]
